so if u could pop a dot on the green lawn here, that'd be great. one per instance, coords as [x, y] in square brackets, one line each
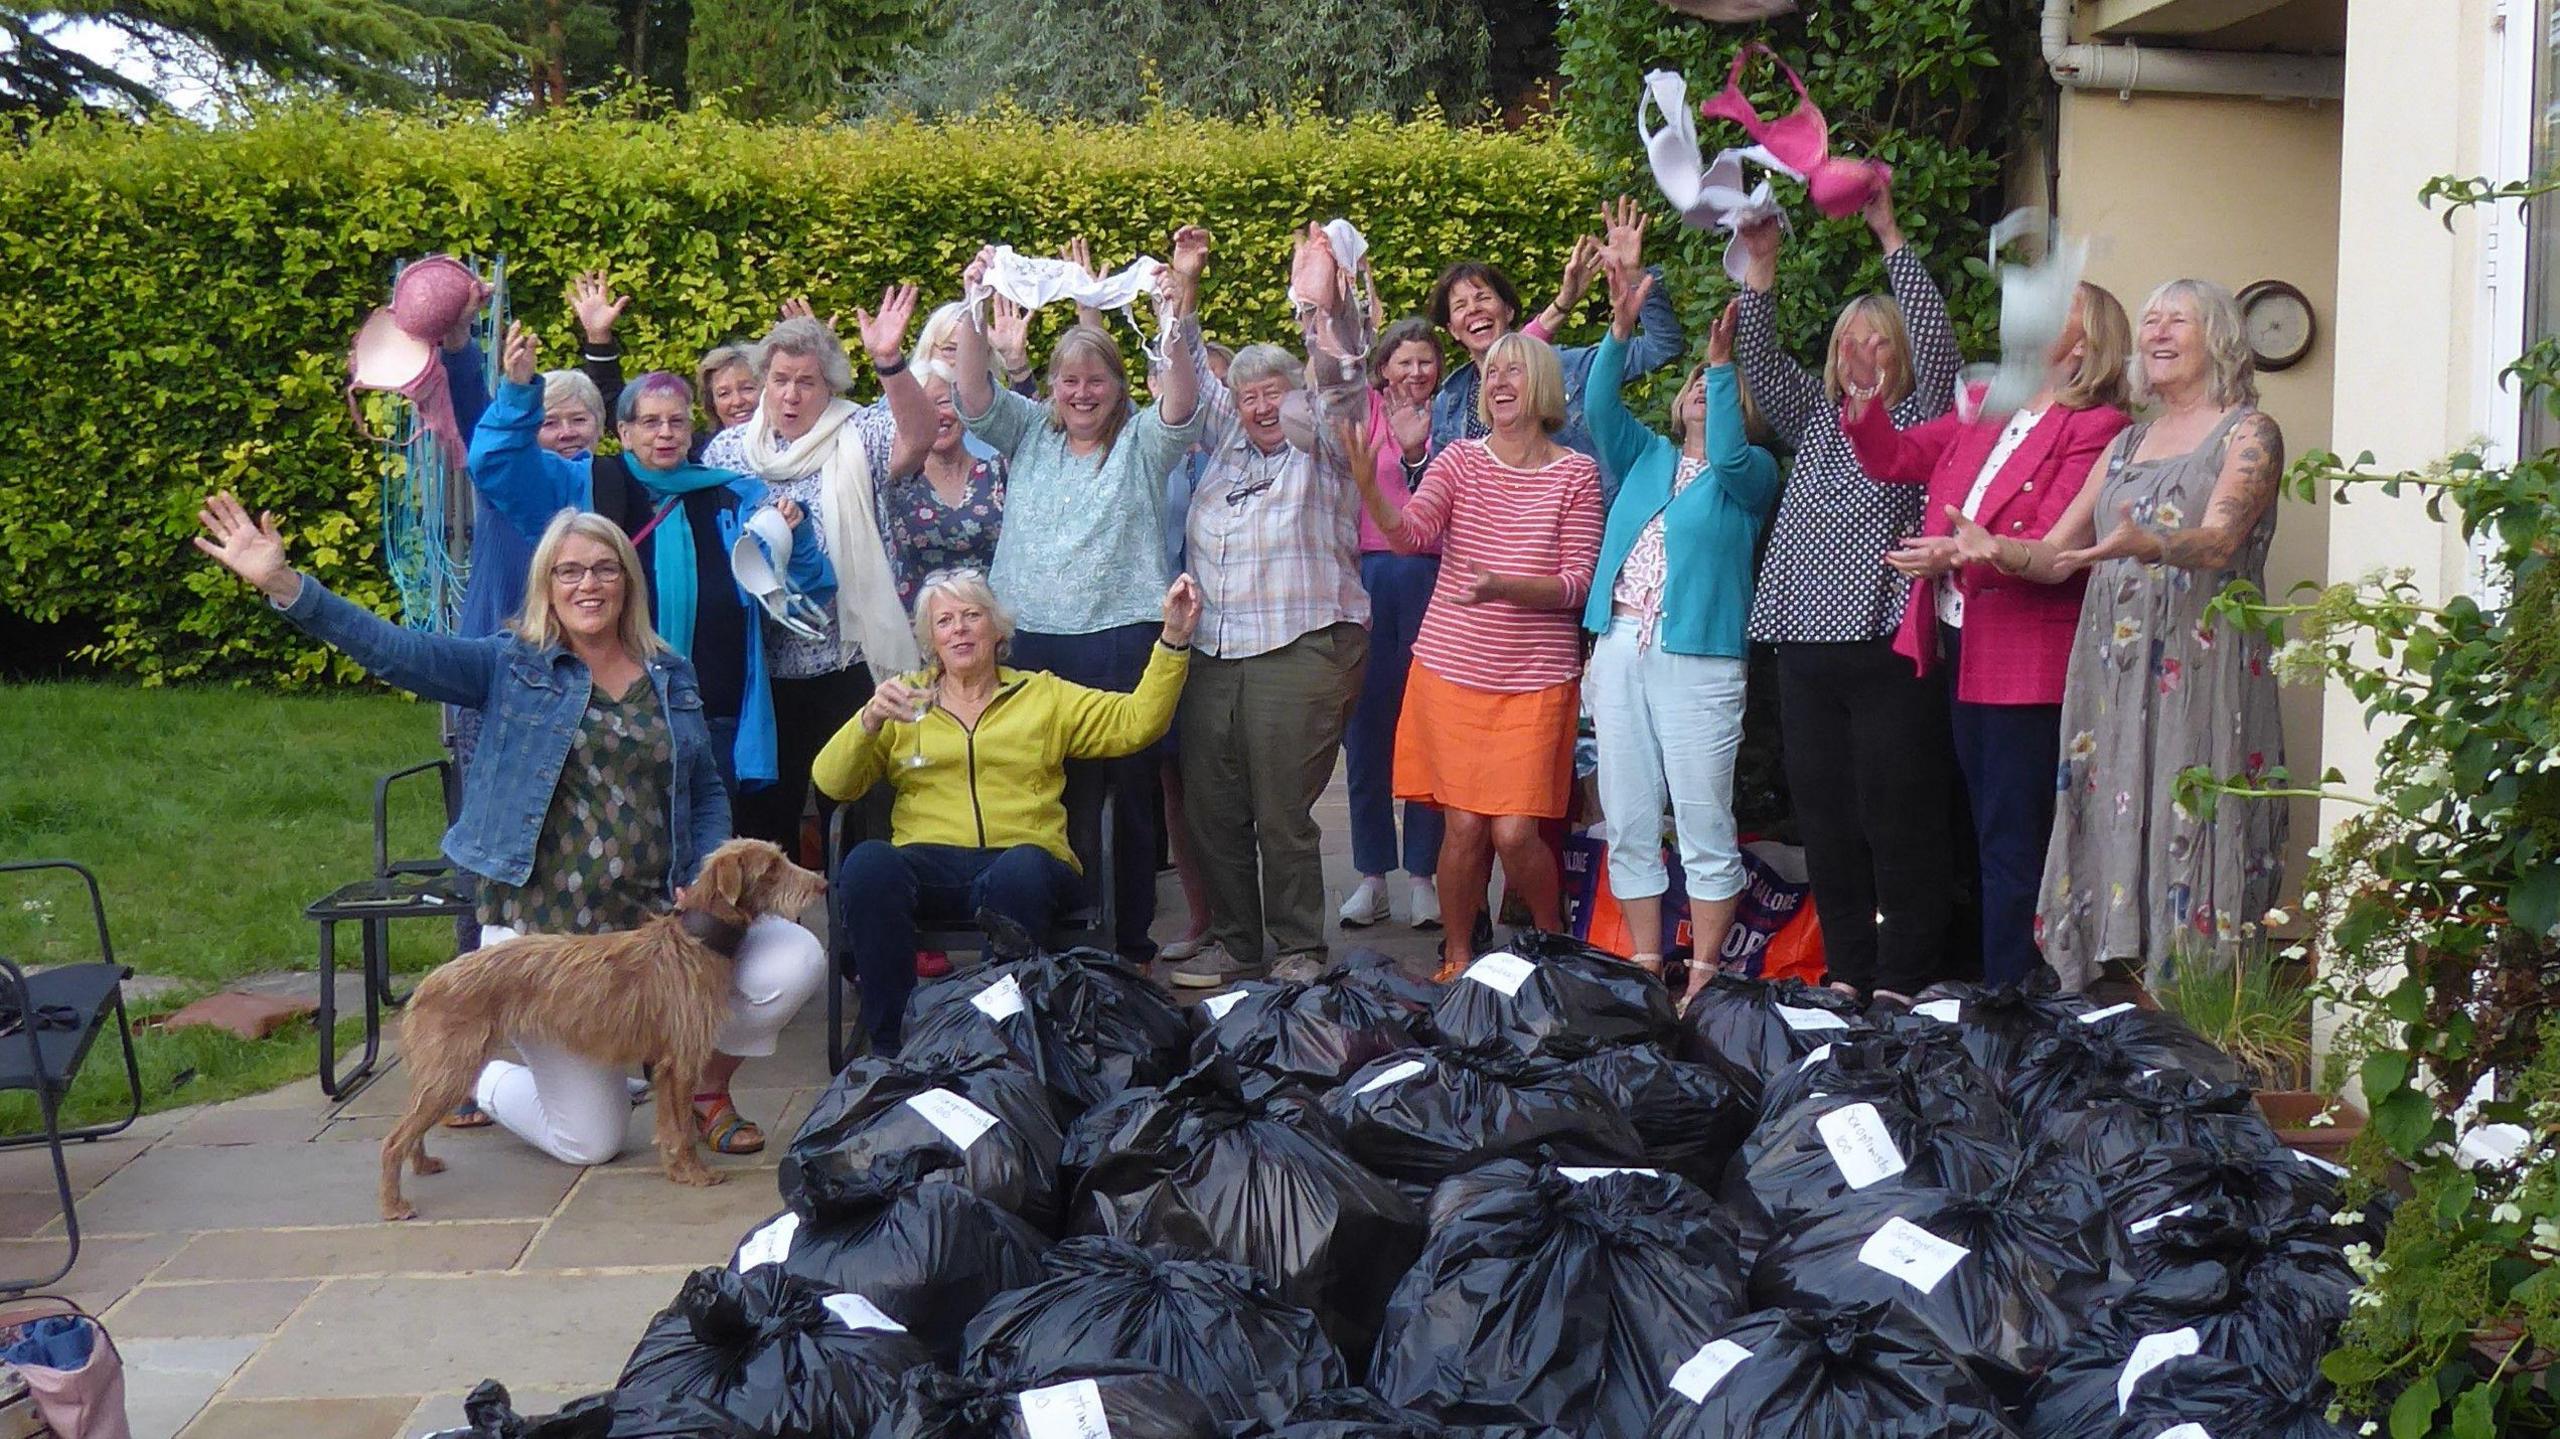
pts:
[211, 816]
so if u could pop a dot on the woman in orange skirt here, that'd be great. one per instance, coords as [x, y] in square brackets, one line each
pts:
[1489, 706]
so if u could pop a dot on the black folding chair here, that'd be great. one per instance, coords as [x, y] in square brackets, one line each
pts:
[48, 1020]
[1089, 812]
[398, 889]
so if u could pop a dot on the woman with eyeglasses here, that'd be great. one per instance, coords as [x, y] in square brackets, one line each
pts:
[594, 798]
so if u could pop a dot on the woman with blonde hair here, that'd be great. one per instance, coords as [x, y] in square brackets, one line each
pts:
[582, 696]
[1081, 555]
[2006, 640]
[1492, 697]
[1868, 757]
[725, 382]
[2157, 686]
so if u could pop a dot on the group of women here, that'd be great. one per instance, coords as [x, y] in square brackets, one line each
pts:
[1439, 570]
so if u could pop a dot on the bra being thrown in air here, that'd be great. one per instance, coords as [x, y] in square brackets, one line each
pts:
[1798, 143]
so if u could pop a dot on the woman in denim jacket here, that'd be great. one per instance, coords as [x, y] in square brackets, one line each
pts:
[594, 796]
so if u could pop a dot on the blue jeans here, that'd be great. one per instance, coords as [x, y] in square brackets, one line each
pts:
[2009, 754]
[1113, 659]
[884, 889]
[1399, 589]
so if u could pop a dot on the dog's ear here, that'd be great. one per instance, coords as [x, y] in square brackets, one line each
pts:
[727, 874]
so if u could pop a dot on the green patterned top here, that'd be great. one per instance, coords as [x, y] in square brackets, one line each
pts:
[601, 863]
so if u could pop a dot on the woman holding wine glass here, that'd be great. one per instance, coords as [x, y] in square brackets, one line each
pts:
[975, 752]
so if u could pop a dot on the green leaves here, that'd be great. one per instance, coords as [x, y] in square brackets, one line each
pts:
[2404, 1119]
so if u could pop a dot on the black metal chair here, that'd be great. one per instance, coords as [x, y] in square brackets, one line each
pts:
[1089, 812]
[48, 1021]
[398, 889]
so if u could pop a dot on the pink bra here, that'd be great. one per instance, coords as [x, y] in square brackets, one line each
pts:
[1800, 143]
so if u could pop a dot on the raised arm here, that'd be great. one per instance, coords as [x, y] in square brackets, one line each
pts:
[1416, 525]
[598, 309]
[1581, 267]
[1103, 724]
[2252, 472]
[1934, 357]
[1789, 397]
[436, 667]
[1747, 472]
[525, 483]
[884, 338]
[1621, 439]
[1178, 391]
[1896, 457]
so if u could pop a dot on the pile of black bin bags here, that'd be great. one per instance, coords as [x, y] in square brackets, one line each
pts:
[1531, 1205]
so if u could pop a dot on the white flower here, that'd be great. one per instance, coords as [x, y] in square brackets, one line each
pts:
[2347, 1217]
[2277, 917]
[2297, 662]
[2370, 1428]
[2364, 1299]
[2507, 1213]
[2323, 1119]
[2546, 1238]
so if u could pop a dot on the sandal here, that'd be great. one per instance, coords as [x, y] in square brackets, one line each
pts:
[725, 1130]
[468, 1115]
[1450, 971]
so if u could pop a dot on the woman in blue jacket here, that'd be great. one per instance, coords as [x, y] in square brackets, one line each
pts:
[593, 797]
[682, 517]
[1668, 602]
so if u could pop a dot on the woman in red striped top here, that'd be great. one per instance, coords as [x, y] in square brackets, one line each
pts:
[1489, 706]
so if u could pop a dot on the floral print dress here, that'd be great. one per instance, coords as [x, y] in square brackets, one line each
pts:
[2156, 687]
[925, 535]
[601, 863]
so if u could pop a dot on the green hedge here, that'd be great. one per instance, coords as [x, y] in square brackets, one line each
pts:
[175, 302]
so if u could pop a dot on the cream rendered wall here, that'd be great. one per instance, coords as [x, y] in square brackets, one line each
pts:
[2170, 186]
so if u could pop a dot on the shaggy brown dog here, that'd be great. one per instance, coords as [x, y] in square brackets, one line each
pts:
[654, 995]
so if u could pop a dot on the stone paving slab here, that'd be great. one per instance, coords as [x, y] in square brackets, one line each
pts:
[249, 1186]
[417, 1337]
[110, 1265]
[186, 1311]
[167, 1380]
[318, 1418]
[779, 1111]
[444, 1411]
[623, 1217]
[415, 1247]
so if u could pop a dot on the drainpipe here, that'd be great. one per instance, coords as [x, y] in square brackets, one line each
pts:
[2127, 68]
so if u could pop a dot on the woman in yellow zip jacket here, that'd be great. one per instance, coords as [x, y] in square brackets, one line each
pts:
[975, 753]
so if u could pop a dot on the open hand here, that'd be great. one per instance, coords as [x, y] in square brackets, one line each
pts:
[596, 306]
[797, 308]
[2129, 540]
[251, 549]
[1624, 222]
[1009, 334]
[1720, 334]
[1182, 606]
[884, 334]
[1629, 286]
[1410, 423]
[1191, 252]
[1974, 544]
[1077, 253]
[1581, 266]
[518, 361]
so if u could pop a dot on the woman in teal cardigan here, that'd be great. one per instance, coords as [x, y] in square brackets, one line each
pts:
[1669, 601]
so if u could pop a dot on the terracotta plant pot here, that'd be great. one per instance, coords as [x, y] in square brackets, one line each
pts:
[2289, 1113]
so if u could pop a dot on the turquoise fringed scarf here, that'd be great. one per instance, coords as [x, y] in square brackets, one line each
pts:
[673, 565]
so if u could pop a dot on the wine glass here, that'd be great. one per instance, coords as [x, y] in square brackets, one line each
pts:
[924, 696]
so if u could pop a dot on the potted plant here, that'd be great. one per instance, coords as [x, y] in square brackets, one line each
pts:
[2257, 1009]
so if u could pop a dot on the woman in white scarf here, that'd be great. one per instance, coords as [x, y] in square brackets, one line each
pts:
[810, 444]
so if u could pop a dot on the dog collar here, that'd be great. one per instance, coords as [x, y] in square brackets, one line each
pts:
[711, 931]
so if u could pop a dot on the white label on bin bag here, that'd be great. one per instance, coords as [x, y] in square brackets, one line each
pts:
[1219, 1004]
[859, 1313]
[1706, 1369]
[2324, 1166]
[2185, 1431]
[1945, 1011]
[769, 1245]
[2145, 1226]
[1860, 1144]
[1505, 972]
[1911, 1254]
[960, 1121]
[1394, 1074]
[1581, 1175]
[1814, 1058]
[2110, 1012]
[1803, 1019]
[1000, 1000]
[1064, 1411]
[2152, 1351]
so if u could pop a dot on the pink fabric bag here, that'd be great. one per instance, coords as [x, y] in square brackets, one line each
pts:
[82, 1403]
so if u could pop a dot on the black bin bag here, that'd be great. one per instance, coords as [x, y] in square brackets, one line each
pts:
[1317, 1034]
[1556, 1296]
[1089, 1024]
[1360, 1414]
[2167, 1109]
[1383, 975]
[1054, 1401]
[930, 1255]
[985, 1123]
[1997, 1023]
[786, 1358]
[1217, 1328]
[1915, 1061]
[1752, 1029]
[2000, 1277]
[2131, 1350]
[1689, 1116]
[1884, 1136]
[1848, 1373]
[1423, 1115]
[1549, 994]
[2258, 1187]
[2157, 1039]
[1260, 1179]
[2225, 1400]
[489, 1413]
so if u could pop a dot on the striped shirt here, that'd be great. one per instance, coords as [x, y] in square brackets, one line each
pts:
[1487, 515]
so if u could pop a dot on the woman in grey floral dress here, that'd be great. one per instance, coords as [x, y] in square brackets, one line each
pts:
[2157, 686]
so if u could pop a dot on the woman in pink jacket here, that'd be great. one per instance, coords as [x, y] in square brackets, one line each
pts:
[2008, 640]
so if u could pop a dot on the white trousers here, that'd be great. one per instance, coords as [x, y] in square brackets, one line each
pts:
[578, 1110]
[1669, 726]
